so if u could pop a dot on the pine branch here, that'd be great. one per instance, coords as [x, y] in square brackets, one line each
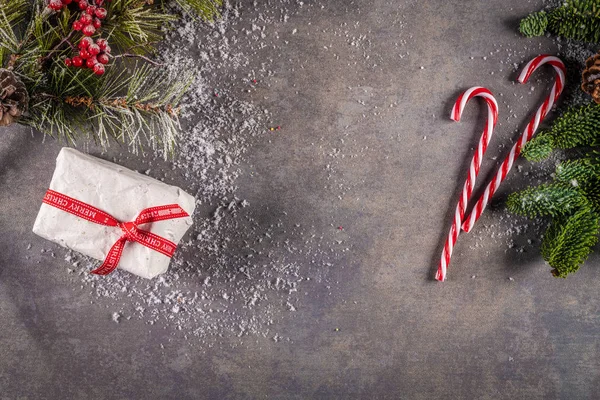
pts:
[573, 200]
[137, 109]
[575, 19]
[11, 13]
[132, 104]
[579, 126]
[134, 26]
[148, 60]
[206, 9]
[535, 24]
[569, 240]
[553, 200]
[579, 173]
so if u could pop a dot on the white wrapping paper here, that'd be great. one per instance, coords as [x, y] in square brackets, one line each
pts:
[121, 193]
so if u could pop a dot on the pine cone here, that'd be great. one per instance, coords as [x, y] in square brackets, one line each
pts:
[14, 99]
[591, 77]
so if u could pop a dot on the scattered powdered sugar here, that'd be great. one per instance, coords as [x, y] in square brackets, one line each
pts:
[233, 276]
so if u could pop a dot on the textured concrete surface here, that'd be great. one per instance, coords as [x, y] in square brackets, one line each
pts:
[401, 335]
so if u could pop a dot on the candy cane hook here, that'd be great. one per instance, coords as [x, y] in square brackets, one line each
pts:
[457, 111]
[557, 88]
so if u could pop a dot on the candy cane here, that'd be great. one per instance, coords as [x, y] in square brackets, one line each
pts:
[457, 111]
[557, 88]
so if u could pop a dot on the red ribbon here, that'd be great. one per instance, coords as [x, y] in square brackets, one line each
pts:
[131, 232]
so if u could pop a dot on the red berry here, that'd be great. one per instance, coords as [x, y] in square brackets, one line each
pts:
[66, 2]
[85, 18]
[83, 4]
[90, 62]
[101, 13]
[56, 5]
[77, 61]
[91, 10]
[85, 42]
[94, 49]
[98, 69]
[99, 3]
[83, 53]
[77, 25]
[97, 23]
[101, 43]
[107, 49]
[88, 30]
[68, 62]
[103, 58]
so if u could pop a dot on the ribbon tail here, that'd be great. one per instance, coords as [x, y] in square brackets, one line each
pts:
[112, 259]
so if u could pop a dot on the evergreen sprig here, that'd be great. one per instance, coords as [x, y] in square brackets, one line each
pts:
[535, 24]
[134, 26]
[134, 106]
[133, 102]
[577, 127]
[575, 19]
[546, 200]
[573, 199]
[206, 9]
[568, 241]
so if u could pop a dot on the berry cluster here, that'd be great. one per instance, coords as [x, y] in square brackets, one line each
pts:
[91, 55]
[90, 18]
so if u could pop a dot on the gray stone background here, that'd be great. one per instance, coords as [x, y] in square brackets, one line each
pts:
[500, 327]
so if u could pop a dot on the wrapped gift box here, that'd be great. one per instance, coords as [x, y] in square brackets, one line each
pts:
[123, 194]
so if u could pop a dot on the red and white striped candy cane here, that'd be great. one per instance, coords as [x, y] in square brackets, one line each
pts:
[527, 134]
[457, 111]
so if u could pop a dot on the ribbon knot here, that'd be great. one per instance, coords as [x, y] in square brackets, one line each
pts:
[131, 230]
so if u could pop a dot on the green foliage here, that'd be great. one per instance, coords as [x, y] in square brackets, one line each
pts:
[539, 147]
[546, 200]
[575, 19]
[206, 9]
[132, 103]
[534, 24]
[573, 203]
[580, 173]
[578, 127]
[133, 107]
[569, 240]
[573, 199]
[135, 27]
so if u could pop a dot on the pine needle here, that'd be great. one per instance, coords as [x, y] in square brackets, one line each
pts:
[577, 127]
[552, 200]
[575, 19]
[569, 240]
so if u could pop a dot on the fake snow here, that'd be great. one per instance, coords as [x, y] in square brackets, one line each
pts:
[233, 275]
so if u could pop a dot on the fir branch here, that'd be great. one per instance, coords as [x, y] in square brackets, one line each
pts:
[579, 173]
[535, 24]
[148, 60]
[553, 200]
[569, 240]
[11, 13]
[132, 104]
[579, 126]
[137, 109]
[56, 48]
[579, 20]
[134, 26]
[206, 9]
[575, 19]
[573, 200]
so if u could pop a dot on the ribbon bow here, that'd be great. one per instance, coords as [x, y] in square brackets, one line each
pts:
[131, 230]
